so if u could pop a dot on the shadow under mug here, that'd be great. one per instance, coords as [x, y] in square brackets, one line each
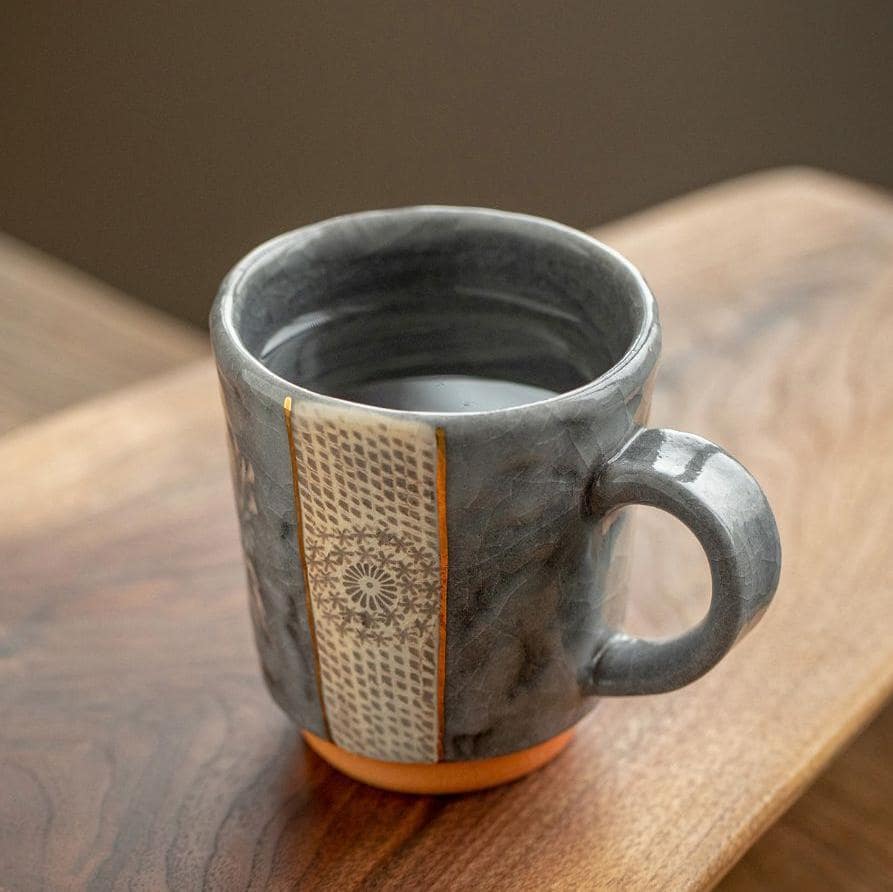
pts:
[436, 416]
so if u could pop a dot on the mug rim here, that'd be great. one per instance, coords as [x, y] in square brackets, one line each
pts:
[632, 365]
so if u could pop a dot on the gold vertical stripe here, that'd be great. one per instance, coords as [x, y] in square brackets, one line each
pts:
[444, 576]
[299, 528]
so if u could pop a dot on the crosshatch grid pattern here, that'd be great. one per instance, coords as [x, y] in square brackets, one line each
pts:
[368, 497]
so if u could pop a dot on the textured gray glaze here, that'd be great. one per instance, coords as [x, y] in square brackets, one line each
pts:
[534, 493]
[721, 503]
[261, 471]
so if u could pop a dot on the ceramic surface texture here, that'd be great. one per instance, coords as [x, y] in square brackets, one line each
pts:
[486, 560]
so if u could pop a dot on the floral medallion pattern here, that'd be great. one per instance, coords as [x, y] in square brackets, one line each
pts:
[368, 496]
[371, 588]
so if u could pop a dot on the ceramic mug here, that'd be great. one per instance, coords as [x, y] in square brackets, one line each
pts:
[436, 416]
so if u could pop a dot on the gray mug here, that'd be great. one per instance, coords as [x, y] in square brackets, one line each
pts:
[436, 417]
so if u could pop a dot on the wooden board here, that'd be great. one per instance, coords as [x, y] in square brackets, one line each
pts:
[64, 337]
[839, 834]
[139, 746]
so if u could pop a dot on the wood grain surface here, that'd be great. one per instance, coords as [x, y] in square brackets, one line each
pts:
[66, 337]
[839, 834]
[139, 748]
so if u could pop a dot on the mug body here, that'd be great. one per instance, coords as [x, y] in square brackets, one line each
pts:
[427, 582]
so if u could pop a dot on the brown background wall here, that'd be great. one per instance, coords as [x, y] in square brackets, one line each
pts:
[152, 144]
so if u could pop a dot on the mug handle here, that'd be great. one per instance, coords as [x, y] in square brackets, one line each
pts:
[722, 504]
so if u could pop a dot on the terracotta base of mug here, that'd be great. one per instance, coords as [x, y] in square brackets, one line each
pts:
[439, 778]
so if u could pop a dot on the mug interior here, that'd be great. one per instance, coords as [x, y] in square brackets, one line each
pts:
[437, 309]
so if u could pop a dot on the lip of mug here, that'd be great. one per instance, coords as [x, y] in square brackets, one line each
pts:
[223, 327]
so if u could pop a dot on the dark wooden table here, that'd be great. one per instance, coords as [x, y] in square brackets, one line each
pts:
[138, 748]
